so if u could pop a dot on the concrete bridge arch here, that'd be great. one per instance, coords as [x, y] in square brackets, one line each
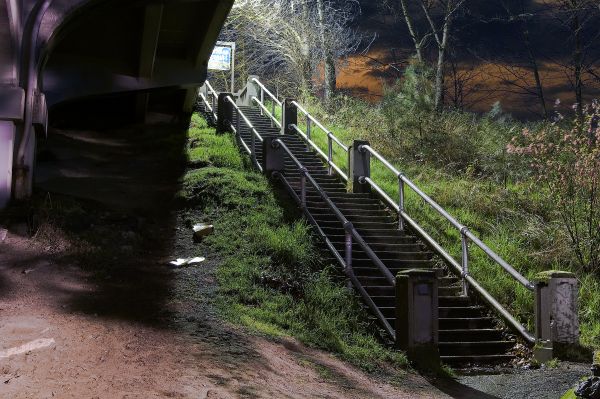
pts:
[57, 51]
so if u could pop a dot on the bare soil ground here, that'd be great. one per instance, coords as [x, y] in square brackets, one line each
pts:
[91, 310]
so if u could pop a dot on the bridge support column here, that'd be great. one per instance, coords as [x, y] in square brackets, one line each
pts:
[7, 149]
[417, 317]
[289, 115]
[359, 167]
[556, 315]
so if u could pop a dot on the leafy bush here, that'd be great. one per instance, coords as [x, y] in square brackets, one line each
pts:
[566, 161]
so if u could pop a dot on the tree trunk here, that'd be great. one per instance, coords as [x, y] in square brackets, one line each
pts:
[411, 30]
[577, 62]
[536, 71]
[328, 59]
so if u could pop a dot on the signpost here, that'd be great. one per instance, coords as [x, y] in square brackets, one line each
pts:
[223, 59]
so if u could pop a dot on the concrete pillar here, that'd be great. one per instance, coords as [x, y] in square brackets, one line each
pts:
[7, 149]
[359, 166]
[289, 116]
[417, 317]
[252, 89]
[273, 156]
[556, 314]
[224, 113]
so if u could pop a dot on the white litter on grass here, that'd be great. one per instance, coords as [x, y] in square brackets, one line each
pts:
[28, 347]
[189, 261]
[3, 234]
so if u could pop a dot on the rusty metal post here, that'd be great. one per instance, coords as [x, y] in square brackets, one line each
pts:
[303, 172]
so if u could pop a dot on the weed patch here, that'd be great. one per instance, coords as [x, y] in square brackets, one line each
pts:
[270, 279]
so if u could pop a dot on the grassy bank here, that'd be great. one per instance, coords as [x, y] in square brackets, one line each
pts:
[464, 167]
[270, 278]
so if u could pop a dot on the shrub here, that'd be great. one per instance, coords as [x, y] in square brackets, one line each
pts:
[565, 159]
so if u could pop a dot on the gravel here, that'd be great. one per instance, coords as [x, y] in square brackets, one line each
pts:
[532, 384]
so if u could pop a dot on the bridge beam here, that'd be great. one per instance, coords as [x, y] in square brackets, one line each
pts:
[149, 44]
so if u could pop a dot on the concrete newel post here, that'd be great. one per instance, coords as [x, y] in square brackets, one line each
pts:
[556, 314]
[252, 89]
[289, 116]
[417, 317]
[273, 156]
[224, 113]
[359, 163]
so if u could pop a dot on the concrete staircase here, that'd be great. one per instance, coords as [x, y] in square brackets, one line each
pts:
[467, 333]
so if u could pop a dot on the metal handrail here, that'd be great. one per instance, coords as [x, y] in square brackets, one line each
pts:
[462, 268]
[325, 157]
[209, 86]
[330, 140]
[464, 231]
[208, 106]
[350, 234]
[265, 90]
[320, 126]
[253, 132]
[269, 113]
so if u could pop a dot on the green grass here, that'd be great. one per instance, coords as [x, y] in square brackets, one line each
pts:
[517, 223]
[269, 279]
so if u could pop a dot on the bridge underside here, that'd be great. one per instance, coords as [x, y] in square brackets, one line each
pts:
[67, 52]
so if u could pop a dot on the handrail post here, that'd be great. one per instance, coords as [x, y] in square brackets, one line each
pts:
[224, 113]
[400, 202]
[330, 154]
[238, 124]
[308, 128]
[359, 167]
[464, 260]
[303, 172]
[348, 227]
[253, 145]
[556, 315]
[262, 100]
[273, 112]
[289, 116]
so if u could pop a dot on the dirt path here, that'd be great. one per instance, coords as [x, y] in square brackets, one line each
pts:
[90, 310]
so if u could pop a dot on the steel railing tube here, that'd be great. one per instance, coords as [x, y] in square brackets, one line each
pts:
[273, 111]
[400, 202]
[263, 87]
[308, 128]
[303, 173]
[464, 259]
[237, 123]
[253, 145]
[262, 99]
[329, 155]
[348, 228]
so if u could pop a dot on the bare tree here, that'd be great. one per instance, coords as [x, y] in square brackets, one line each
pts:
[580, 21]
[438, 16]
[290, 40]
[518, 12]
